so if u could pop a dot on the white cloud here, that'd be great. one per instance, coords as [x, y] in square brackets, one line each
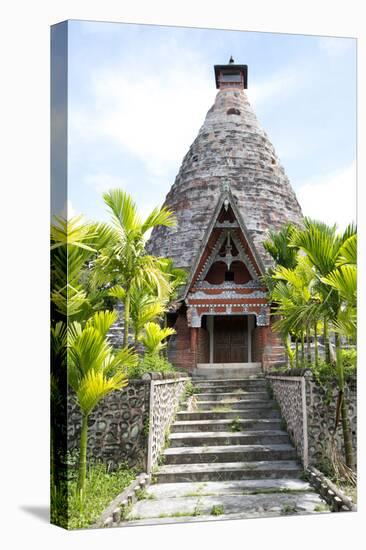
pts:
[152, 116]
[331, 198]
[279, 85]
[102, 182]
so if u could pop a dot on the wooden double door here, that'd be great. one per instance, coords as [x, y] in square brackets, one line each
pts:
[230, 339]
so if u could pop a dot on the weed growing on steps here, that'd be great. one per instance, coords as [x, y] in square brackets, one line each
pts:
[289, 509]
[222, 408]
[235, 424]
[143, 494]
[198, 508]
[304, 476]
[217, 510]
[283, 425]
[196, 512]
[198, 492]
[322, 508]
[190, 389]
[269, 390]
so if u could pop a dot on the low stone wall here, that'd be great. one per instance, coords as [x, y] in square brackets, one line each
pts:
[321, 411]
[117, 427]
[309, 411]
[337, 500]
[126, 421]
[289, 392]
[164, 401]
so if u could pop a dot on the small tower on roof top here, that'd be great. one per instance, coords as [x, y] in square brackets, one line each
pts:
[231, 75]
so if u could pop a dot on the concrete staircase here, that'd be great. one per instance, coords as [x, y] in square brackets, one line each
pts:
[229, 457]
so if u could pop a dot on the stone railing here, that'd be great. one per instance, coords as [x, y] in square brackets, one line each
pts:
[310, 411]
[164, 401]
[290, 394]
[129, 425]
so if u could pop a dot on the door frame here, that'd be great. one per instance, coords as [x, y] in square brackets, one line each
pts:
[211, 331]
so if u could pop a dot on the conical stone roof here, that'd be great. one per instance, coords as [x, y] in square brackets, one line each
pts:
[231, 148]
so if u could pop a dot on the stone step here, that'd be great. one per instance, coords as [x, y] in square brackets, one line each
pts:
[234, 413]
[172, 473]
[221, 376]
[264, 437]
[222, 396]
[224, 425]
[232, 403]
[229, 366]
[228, 453]
[200, 378]
[224, 384]
[234, 487]
[231, 388]
[202, 506]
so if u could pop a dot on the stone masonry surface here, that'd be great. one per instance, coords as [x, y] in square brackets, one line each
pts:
[119, 426]
[164, 400]
[230, 149]
[320, 414]
[116, 427]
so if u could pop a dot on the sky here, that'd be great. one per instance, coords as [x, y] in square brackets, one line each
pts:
[138, 94]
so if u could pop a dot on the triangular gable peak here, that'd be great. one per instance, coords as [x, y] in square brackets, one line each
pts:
[227, 249]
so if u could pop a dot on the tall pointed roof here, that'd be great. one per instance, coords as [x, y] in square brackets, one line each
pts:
[230, 147]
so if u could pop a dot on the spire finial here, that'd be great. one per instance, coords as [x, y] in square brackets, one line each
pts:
[231, 60]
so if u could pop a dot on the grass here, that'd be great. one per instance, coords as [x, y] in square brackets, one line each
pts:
[196, 512]
[143, 494]
[304, 476]
[222, 408]
[198, 492]
[283, 425]
[217, 510]
[321, 508]
[288, 509]
[190, 389]
[235, 425]
[102, 486]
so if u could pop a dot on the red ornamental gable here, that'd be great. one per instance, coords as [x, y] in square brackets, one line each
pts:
[225, 278]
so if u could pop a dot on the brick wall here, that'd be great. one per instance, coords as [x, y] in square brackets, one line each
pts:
[179, 347]
[203, 352]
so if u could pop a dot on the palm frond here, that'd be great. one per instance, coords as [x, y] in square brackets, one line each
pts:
[123, 209]
[95, 386]
[348, 251]
[159, 216]
[102, 321]
[153, 336]
[344, 280]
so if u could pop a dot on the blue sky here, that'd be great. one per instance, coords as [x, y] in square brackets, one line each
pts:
[138, 95]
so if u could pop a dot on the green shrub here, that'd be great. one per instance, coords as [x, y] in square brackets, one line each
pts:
[102, 486]
[151, 362]
[326, 374]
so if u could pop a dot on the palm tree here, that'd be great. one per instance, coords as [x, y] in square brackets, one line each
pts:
[94, 370]
[153, 336]
[334, 259]
[294, 302]
[277, 246]
[145, 306]
[124, 261]
[74, 243]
